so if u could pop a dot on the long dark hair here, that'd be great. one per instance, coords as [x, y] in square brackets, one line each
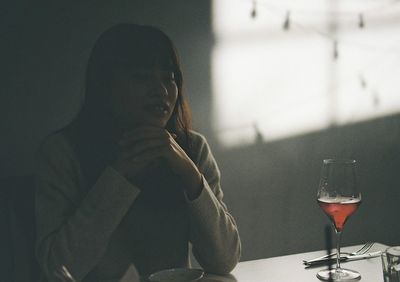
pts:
[123, 46]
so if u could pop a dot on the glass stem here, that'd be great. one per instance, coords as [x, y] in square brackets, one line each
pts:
[338, 237]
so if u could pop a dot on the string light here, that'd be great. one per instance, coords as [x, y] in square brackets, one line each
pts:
[361, 24]
[385, 6]
[288, 23]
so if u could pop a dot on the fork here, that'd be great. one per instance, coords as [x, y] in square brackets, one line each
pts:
[367, 246]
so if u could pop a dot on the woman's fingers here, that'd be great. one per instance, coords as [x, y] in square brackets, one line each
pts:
[136, 165]
[141, 146]
[148, 156]
[127, 141]
[144, 133]
[142, 129]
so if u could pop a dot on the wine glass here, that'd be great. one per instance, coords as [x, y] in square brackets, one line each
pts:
[339, 198]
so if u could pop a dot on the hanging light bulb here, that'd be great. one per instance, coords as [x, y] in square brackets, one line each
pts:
[254, 10]
[361, 23]
[286, 24]
[335, 50]
[375, 98]
[363, 83]
[259, 138]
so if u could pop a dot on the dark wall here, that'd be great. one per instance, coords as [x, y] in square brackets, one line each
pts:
[43, 54]
[270, 188]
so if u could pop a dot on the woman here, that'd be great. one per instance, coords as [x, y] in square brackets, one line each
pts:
[128, 182]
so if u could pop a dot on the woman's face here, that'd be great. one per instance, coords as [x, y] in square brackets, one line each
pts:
[143, 97]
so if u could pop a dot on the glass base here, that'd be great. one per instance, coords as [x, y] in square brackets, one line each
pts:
[340, 274]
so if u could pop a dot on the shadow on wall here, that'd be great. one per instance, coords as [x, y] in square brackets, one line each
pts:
[271, 188]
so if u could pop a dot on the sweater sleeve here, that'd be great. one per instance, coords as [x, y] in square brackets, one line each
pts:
[73, 229]
[213, 231]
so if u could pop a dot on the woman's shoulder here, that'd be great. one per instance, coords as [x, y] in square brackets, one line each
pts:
[197, 140]
[200, 148]
[195, 135]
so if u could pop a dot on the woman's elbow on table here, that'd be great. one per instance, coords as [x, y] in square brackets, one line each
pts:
[222, 264]
[221, 268]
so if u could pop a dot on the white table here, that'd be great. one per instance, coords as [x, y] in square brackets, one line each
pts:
[291, 269]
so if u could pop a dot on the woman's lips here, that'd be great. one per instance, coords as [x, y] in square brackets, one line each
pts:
[158, 109]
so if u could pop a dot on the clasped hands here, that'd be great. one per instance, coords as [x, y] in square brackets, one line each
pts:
[143, 147]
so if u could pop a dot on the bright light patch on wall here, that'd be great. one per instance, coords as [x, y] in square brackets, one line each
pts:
[270, 84]
[368, 85]
[280, 95]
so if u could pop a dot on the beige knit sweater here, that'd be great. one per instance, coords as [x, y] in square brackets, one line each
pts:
[98, 234]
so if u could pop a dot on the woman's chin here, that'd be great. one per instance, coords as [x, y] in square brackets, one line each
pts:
[154, 121]
[150, 123]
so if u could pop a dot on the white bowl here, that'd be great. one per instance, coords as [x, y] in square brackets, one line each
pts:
[177, 275]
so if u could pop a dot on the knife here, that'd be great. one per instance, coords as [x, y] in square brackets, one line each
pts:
[342, 259]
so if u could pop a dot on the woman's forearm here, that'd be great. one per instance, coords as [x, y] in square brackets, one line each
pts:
[78, 240]
[213, 233]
